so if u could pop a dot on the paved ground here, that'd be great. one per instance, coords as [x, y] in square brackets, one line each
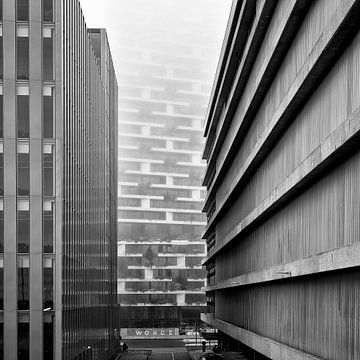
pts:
[161, 349]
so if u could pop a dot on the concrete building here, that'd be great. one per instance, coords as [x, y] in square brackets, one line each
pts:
[282, 148]
[167, 63]
[58, 113]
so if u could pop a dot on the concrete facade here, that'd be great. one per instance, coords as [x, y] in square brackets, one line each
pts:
[282, 157]
[58, 96]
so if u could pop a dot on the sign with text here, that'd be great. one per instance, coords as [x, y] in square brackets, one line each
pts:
[150, 333]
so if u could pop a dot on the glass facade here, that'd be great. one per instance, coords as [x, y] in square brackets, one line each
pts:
[58, 186]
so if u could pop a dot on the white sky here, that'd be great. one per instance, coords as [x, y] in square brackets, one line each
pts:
[106, 14]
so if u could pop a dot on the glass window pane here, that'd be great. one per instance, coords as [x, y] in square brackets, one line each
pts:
[1, 59]
[23, 231]
[48, 58]
[48, 224]
[23, 10]
[23, 116]
[48, 171]
[22, 57]
[1, 231]
[48, 289]
[1, 290]
[48, 116]
[1, 340]
[1, 174]
[23, 288]
[23, 341]
[48, 341]
[23, 175]
[47, 10]
[1, 117]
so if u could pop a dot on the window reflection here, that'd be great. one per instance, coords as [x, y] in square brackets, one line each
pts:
[23, 175]
[23, 341]
[1, 117]
[23, 288]
[48, 228]
[1, 289]
[47, 10]
[22, 10]
[48, 171]
[1, 174]
[48, 59]
[1, 58]
[23, 116]
[48, 341]
[22, 60]
[48, 116]
[1, 231]
[48, 289]
[23, 231]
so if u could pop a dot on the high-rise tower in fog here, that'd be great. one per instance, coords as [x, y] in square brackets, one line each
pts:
[167, 64]
[58, 190]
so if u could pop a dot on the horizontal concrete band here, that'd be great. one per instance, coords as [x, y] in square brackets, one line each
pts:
[323, 54]
[338, 259]
[238, 44]
[270, 64]
[221, 117]
[263, 345]
[319, 160]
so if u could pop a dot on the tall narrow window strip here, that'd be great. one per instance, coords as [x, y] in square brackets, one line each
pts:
[23, 116]
[48, 59]
[48, 300]
[48, 116]
[48, 231]
[22, 10]
[48, 175]
[48, 10]
[1, 175]
[23, 231]
[1, 117]
[1, 291]
[23, 175]
[23, 288]
[1, 58]
[22, 58]
[23, 341]
[1, 231]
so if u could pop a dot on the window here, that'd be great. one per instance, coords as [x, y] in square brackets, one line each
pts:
[1, 117]
[48, 174]
[48, 231]
[1, 58]
[47, 59]
[48, 116]
[1, 231]
[1, 290]
[23, 175]
[48, 341]
[47, 10]
[23, 288]
[23, 341]
[48, 289]
[23, 116]
[23, 231]
[22, 10]
[22, 58]
[1, 174]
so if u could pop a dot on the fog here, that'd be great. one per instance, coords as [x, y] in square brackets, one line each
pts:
[123, 17]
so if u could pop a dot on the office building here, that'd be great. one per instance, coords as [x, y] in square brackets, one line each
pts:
[283, 172]
[58, 151]
[167, 63]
